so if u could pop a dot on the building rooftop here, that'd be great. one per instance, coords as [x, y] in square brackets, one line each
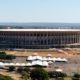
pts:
[40, 30]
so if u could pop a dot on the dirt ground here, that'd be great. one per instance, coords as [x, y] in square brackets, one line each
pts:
[54, 54]
[11, 74]
[72, 55]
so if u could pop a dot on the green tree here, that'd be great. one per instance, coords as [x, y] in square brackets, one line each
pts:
[25, 76]
[76, 77]
[55, 74]
[2, 53]
[27, 69]
[11, 68]
[10, 57]
[4, 56]
[39, 74]
[20, 69]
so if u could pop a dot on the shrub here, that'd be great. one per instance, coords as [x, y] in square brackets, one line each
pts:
[55, 74]
[2, 53]
[77, 75]
[4, 56]
[10, 57]
[27, 69]
[39, 74]
[74, 78]
[20, 69]
[25, 75]
[11, 68]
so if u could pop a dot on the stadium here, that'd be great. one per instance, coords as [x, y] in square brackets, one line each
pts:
[39, 38]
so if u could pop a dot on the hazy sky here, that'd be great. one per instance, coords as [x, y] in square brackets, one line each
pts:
[40, 11]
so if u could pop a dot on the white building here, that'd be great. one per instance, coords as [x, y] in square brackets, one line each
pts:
[39, 38]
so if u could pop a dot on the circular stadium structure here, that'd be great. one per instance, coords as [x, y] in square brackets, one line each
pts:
[39, 38]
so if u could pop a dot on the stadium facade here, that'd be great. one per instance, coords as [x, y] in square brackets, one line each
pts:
[39, 38]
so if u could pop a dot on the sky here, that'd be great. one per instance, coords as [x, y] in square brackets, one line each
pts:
[67, 11]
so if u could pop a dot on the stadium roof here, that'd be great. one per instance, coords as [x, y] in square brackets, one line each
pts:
[40, 30]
